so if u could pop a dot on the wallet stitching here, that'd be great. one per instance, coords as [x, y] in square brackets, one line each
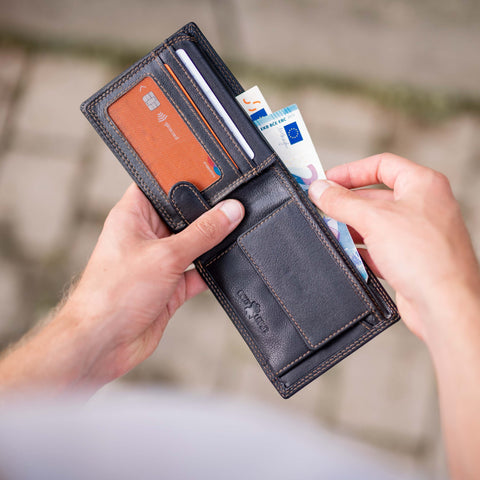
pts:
[315, 228]
[213, 57]
[238, 322]
[220, 122]
[265, 279]
[187, 121]
[378, 289]
[324, 365]
[220, 255]
[244, 248]
[244, 177]
[306, 353]
[186, 185]
[118, 94]
[202, 126]
[116, 146]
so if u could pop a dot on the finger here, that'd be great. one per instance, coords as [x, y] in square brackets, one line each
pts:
[194, 284]
[365, 254]
[205, 232]
[384, 168]
[135, 202]
[339, 203]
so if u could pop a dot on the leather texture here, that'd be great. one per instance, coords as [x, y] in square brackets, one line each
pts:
[281, 276]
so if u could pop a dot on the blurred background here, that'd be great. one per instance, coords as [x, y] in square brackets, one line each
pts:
[368, 76]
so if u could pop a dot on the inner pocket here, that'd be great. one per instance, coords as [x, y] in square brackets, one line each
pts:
[301, 270]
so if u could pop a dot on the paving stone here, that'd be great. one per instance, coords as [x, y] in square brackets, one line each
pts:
[141, 24]
[11, 64]
[396, 42]
[50, 104]
[108, 180]
[36, 198]
[387, 389]
[10, 298]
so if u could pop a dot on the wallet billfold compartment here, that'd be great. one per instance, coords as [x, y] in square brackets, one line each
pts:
[281, 276]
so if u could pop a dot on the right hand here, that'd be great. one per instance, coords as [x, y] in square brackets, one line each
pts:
[414, 233]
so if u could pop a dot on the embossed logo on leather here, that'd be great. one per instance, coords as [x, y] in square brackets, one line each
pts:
[252, 310]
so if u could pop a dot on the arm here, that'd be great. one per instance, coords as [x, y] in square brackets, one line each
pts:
[115, 317]
[415, 238]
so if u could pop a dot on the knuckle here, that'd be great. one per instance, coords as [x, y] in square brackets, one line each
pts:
[439, 180]
[207, 228]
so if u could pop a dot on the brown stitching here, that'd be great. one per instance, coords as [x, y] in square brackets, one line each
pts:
[180, 112]
[365, 324]
[265, 279]
[220, 65]
[244, 332]
[220, 255]
[184, 185]
[293, 361]
[200, 199]
[244, 177]
[115, 145]
[327, 363]
[117, 148]
[129, 147]
[309, 351]
[316, 229]
[214, 113]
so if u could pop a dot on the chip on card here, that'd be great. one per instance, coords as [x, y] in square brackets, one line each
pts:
[161, 138]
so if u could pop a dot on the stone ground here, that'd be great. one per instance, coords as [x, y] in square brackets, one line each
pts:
[403, 78]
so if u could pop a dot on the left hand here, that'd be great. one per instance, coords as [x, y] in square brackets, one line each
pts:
[132, 285]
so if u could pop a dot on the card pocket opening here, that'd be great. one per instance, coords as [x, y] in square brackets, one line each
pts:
[240, 119]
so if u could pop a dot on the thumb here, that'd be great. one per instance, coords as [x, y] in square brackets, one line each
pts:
[338, 202]
[206, 231]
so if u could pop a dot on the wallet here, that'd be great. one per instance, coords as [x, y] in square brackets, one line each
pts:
[282, 278]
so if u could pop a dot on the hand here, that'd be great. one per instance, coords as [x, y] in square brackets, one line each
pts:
[414, 234]
[416, 239]
[132, 285]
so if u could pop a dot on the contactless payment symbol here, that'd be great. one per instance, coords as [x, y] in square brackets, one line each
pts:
[293, 133]
[151, 101]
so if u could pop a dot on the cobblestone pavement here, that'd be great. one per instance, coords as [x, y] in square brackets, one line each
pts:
[58, 181]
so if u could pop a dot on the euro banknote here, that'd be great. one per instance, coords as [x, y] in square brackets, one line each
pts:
[286, 132]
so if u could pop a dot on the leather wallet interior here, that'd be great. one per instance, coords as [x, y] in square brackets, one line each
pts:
[281, 276]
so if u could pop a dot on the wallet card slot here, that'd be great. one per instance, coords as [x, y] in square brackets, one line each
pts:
[245, 126]
[306, 280]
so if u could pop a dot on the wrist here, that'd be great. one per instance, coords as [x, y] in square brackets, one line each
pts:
[453, 320]
[54, 359]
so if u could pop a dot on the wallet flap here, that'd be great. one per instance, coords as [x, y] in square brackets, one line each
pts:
[314, 289]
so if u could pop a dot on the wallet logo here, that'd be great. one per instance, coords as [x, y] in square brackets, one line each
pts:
[252, 310]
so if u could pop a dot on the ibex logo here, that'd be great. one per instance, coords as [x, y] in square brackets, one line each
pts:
[252, 310]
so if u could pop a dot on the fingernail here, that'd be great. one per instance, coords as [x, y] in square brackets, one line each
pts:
[318, 187]
[232, 209]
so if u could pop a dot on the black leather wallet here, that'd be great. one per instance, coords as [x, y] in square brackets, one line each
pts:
[281, 276]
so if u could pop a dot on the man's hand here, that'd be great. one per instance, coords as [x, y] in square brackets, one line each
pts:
[416, 239]
[413, 231]
[132, 285]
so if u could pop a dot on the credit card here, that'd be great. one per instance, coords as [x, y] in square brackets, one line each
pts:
[161, 138]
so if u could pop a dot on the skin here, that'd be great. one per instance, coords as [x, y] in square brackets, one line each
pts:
[414, 237]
